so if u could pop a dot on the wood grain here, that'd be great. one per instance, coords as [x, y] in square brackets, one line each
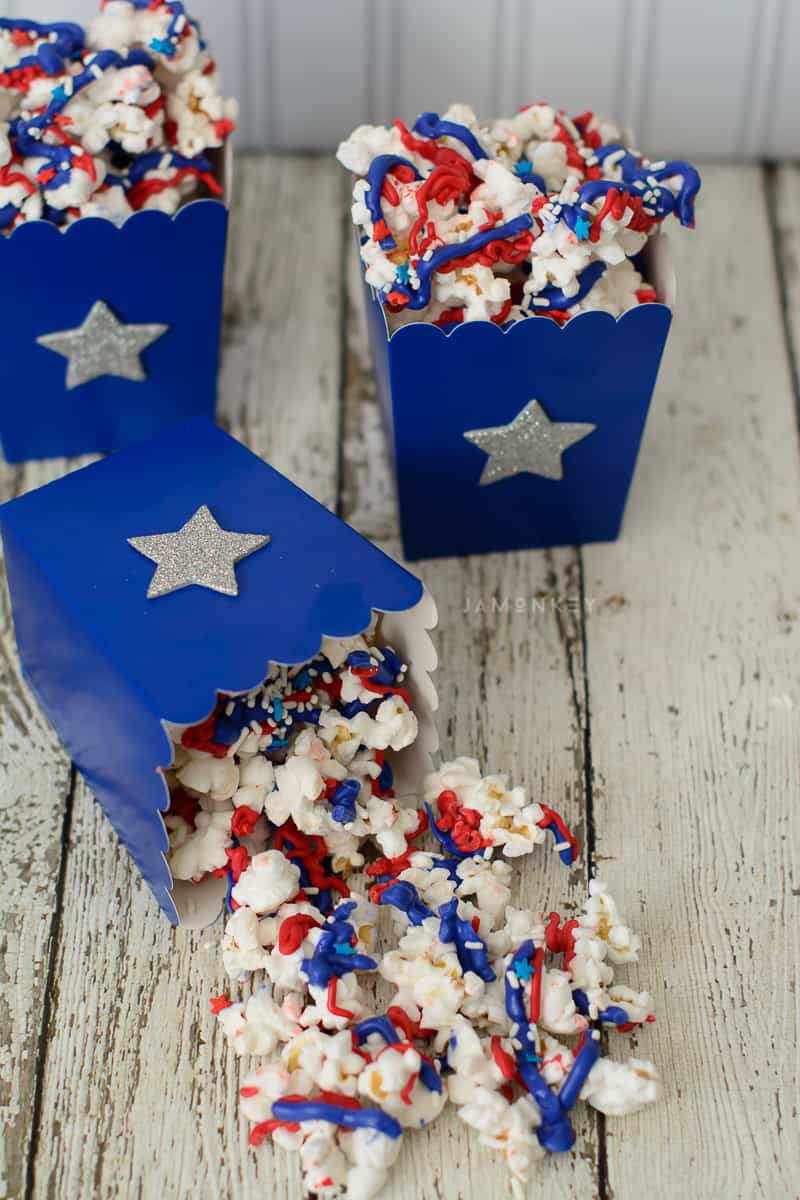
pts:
[279, 380]
[138, 1095]
[35, 785]
[695, 692]
[511, 694]
[684, 652]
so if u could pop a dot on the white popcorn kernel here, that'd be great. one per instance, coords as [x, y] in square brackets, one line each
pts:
[269, 881]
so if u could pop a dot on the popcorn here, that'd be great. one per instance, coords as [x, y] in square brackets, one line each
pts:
[495, 1009]
[392, 1081]
[216, 778]
[134, 101]
[258, 1025]
[617, 1089]
[477, 813]
[527, 217]
[269, 881]
[242, 948]
[256, 781]
[193, 853]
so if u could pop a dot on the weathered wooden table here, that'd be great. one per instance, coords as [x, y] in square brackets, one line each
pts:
[650, 690]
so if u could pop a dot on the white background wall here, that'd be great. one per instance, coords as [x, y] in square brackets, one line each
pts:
[716, 78]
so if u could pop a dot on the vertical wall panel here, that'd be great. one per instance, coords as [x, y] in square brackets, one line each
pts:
[701, 57]
[320, 63]
[634, 66]
[445, 52]
[781, 129]
[569, 54]
[53, 10]
[690, 77]
[507, 93]
[759, 90]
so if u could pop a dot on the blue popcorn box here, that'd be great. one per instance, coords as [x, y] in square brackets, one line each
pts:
[111, 332]
[522, 437]
[147, 583]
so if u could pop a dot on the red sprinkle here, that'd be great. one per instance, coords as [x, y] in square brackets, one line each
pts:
[238, 860]
[536, 986]
[505, 1061]
[244, 821]
[332, 1005]
[561, 941]
[402, 1021]
[294, 930]
[259, 1132]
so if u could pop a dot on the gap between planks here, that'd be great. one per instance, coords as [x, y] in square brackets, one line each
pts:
[32, 859]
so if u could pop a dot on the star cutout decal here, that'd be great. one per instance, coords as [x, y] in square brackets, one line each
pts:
[200, 553]
[532, 442]
[103, 345]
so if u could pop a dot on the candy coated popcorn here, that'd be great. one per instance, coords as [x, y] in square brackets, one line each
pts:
[527, 216]
[338, 894]
[617, 1089]
[267, 883]
[107, 121]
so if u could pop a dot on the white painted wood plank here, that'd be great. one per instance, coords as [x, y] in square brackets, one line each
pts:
[321, 67]
[570, 55]
[444, 53]
[782, 130]
[367, 497]
[279, 378]
[697, 86]
[510, 687]
[34, 785]
[510, 694]
[382, 73]
[138, 1097]
[695, 693]
[508, 83]
[633, 78]
[760, 89]
[251, 75]
[55, 10]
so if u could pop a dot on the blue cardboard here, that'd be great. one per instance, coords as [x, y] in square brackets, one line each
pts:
[153, 269]
[108, 665]
[435, 386]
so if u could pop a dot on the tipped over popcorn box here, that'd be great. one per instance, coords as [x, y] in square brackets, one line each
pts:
[114, 184]
[519, 296]
[183, 613]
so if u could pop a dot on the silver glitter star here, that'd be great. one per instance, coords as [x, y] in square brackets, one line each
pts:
[200, 553]
[103, 345]
[532, 442]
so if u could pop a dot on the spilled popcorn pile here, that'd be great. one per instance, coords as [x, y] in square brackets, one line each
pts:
[288, 794]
